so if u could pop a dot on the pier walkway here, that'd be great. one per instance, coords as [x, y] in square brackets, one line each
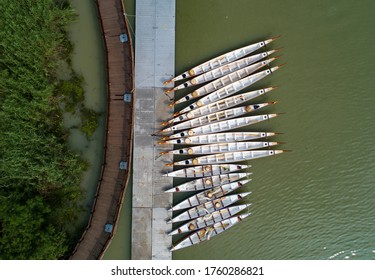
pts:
[154, 63]
[118, 144]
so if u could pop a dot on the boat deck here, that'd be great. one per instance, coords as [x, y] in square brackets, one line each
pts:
[154, 63]
[118, 143]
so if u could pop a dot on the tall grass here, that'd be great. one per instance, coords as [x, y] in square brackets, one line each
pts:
[39, 176]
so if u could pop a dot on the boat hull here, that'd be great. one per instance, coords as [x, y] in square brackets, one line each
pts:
[222, 148]
[209, 219]
[217, 117]
[224, 81]
[206, 170]
[229, 90]
[208, 207]
[223, 126]
[218, 138]
[209, 182]
[211, 231]
[221, 60]
[208, 195]
[223, 70]
[229, 157]
[218, 106]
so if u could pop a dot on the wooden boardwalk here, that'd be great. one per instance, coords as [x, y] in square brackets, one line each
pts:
[118, 144]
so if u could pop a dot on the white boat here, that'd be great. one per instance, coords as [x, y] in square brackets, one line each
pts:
[209, 182]
[209, 219]
[229, 90]
[217, 138]
[227, 157]
[221, 60]
[224, 81]
[218, 148]
[223, 70]
[217, 116]
[218, 106]
[223, 125]
[206, 170]
[208, 195]
[210, 231]
[208, 207]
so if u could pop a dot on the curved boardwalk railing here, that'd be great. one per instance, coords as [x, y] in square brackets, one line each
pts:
[119, 127]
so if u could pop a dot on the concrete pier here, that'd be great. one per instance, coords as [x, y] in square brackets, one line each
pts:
[154, 64]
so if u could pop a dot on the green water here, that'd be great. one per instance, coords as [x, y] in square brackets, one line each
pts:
[88, 61]
[316, 202]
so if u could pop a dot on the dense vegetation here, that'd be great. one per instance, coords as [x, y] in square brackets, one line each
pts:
[39, 175]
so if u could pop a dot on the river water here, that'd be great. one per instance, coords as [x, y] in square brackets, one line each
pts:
[88, 61]
[318, 201]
